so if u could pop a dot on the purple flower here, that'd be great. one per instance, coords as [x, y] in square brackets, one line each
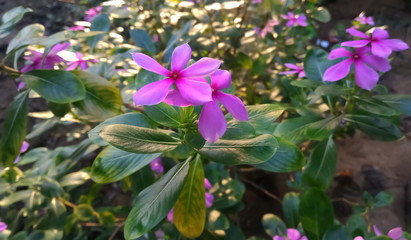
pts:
[365, 76]
[82, 63]
[77, 28]
[52, 58]
[212, 124]
[207, 184]
[209, 199]
[157, 166]
[380, 44]
[395, 233]
[268, 28]
[292, 234]
[3, 226]
[297, 69]
[91, 13]
[170, 215]
[155, 38]
[189, 81]
[299, 20]
[364, 20]
[23, 149]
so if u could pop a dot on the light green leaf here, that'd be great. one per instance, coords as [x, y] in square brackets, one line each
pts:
[294, 129]
[273, 225]
[375, 106]
[164, 114]
[332, 90]
[10, 18]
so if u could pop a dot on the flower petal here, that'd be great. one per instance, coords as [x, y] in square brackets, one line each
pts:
[380, 50]
[193, 91]
[339, 53]
[58, 48]
[72, 66]
[170, 215]
[203, 67]
[301, 74]
[212, 124]
[355, 43]
[395, 233]
[180, 57]
[365, 77]
[153, 93]
[292, 66]
[378, 63]
[220, 79]
[353, 32]
[293, 234]
[233, 104]
[395, 44]
[379, 34]
[302, 20]
[290, 23]
[149, 64]
[174, 98]
[79, 55]
[358, 238]
[24, 147]
[207, 184]
[338, 71]
[288, 72]
[377, 231]
[209, 200]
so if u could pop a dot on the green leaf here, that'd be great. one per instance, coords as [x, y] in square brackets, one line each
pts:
[15, 197]
[315, 63]
[375, 106]
[163, 114]
[321, 14]
[217, 221]
[287, 158]
[306, 83]
[291, 203]
[273, 225]
[376, 127]
[10, 18]
[133, 119]
[103, 99]
[190, 210]
[382, 199]
[294, 129]
[332, 90]
[322, 129]
[138, 139]
[113, 164]
[316, 213]
[337, 232]
[248, 151]
[172, 42]
[399, 102]
[14, 129]
[59, 110]
[143, 40]
[320, 169]
[100, 23]
[57, 86]
[84, 212]
[238, 130]
[154, 202]
[357, 225]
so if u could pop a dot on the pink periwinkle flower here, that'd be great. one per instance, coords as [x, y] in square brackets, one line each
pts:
[268, 28]
[23, 149]
[51, 59]
[76, 28]
[395, 233]
[157, 166]
[209, 199]
[3, 226]
[81, 62]
[365, 76]
[358, 238]
[189, 81]
[207, 184]
[293, 20]
[364, 19]
[212, 123]
[380, 44]
[155, 38]
[292, 234]
[92, 13]
[296, 69]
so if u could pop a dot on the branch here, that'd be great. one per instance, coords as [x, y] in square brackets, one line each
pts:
[131, 106]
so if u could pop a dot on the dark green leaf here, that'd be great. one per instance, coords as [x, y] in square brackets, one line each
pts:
[113, 164]
[190, 210]
[238, 130]
[294, 129]
[287, 158]
[103, 100]
[249, 151]
[332, 90]
[163, 114]
[316, 213]
[100, 23]
[133, 119]
[291, 204]
[143, 40]
[375, 106]
[273, 225]
[306, 83]
[14, 129]
[84, 212]
[356, 225]
[217, 221]
[59, 110]
[154, 202]
[28, 35]
[55, 85]
[320, 169]
[315, 63]
[383, 199]
[376, 127]
[321, 14]
[400, 102]
[337, 232]
[138, 139]
[322, 129]
[10, 18]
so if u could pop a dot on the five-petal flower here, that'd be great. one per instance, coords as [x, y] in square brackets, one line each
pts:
[297, 69]
[299, 20]
[81, 62]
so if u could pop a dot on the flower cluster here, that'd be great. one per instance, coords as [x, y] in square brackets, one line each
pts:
[367, 60]
[191, 88]
[292, 234]
[394, 234]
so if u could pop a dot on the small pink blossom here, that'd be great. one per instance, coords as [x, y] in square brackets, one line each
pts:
[295, 20]
[207, 184]
[3, 226]
[268, 28]
[255, 1]
[365, 20]
[157, 166]
[365, 76]
[189, 81]
[92, 13]
[292, 234]
[81, 62]
[51, 59]
[380, 44]
[297, 69]
[358, 238]
[155, 38]
[23, 149]
[77, 28]
[395, 233]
